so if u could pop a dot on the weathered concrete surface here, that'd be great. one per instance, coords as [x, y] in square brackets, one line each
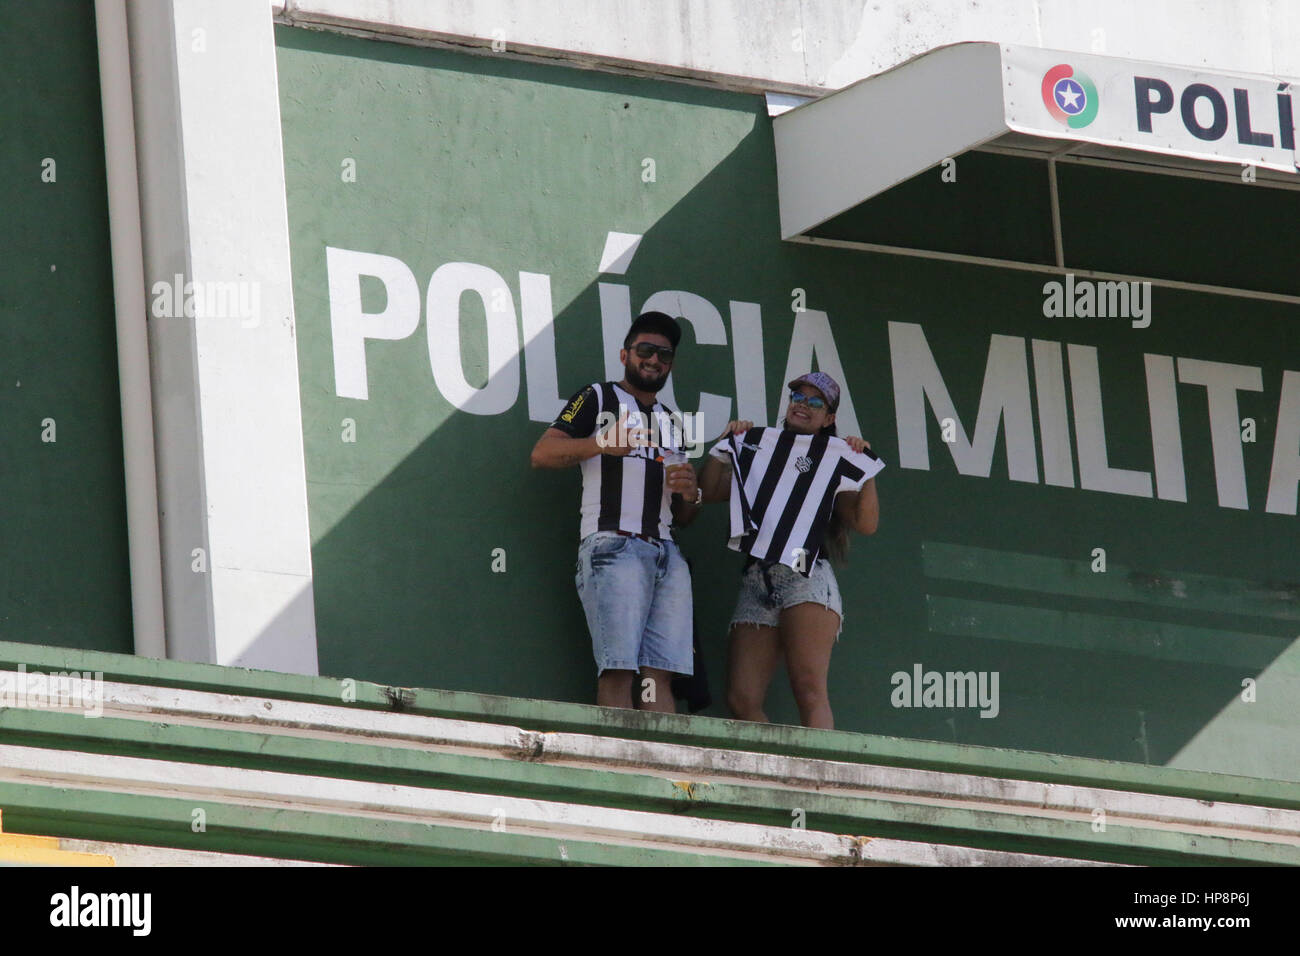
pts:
[313, 758]
[822, 45]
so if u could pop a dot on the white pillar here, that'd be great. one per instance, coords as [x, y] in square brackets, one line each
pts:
[236, 549]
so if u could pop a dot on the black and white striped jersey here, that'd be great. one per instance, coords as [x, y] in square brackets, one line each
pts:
[783, 488]
[623, 493]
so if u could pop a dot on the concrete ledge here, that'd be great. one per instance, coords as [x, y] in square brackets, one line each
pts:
[297, 834]
[127, 854]
[963, 813]
[201, 786]
[709, 732]
[316, 722]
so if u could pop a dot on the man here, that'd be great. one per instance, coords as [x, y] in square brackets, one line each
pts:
[634, 584]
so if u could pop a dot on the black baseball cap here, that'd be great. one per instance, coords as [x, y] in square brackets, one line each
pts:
[660, 323]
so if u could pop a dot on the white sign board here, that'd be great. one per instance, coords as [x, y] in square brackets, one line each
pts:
[1221, 117]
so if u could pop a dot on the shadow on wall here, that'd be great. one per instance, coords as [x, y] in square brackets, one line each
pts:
[455, 568]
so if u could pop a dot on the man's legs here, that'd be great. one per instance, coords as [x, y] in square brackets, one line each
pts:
[654, 691]
[615, 580]
[614, 688]
[666, 645]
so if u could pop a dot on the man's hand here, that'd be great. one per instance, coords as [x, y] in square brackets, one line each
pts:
[857, 444]
[621, 438]
[683, 481]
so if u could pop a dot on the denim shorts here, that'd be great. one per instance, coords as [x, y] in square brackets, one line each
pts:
[766, 590]
[637, 598]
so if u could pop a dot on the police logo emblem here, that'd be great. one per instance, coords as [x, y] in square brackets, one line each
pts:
[1070, 96]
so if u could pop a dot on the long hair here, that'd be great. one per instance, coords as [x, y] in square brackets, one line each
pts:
[837, 532]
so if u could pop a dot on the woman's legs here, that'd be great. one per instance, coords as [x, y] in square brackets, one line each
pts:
[808, 633]
[753, 656]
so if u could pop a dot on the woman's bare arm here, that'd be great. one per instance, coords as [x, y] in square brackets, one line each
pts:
[715, 480]
[860, 510]
[715, 476]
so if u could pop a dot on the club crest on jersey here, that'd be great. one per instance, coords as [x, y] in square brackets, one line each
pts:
[803, 463]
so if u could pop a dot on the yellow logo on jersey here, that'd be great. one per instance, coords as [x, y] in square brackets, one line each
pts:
[573, 408]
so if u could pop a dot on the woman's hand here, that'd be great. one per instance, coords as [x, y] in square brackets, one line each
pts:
[736, 428]
[857, 444]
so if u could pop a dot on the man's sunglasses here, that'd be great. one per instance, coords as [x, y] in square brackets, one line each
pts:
[646, 349]
[812, 401]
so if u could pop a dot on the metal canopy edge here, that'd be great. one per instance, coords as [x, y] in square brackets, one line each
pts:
[838, 151]
[841, 150]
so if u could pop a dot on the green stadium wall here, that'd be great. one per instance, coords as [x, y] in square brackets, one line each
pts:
[63, 546]
[1181, 653]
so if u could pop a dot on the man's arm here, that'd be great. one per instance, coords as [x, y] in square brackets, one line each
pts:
[578, 439]
[555, 449]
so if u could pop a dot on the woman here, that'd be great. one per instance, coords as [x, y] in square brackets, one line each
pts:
[798, 498]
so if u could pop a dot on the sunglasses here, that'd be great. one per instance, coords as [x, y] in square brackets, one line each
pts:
[646, 349]
[812, 401]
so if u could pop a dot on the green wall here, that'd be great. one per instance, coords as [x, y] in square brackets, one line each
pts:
[63, 551]
[520, 167]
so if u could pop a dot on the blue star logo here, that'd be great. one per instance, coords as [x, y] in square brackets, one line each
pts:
[1069, 96]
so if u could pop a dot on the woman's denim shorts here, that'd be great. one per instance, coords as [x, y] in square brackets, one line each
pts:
[767, 589]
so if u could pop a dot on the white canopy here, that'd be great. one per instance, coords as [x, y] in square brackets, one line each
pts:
[836, 152]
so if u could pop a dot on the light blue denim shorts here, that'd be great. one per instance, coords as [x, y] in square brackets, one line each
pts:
[767, 590]
[637, 598]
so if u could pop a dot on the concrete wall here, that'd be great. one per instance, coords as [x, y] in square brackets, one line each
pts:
[208, 97]
[811, 46]
[441, 559]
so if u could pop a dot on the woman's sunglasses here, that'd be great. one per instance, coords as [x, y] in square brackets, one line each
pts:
[646, 349]
[812, 401]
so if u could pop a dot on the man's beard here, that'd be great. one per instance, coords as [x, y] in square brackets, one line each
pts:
[637, 380]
